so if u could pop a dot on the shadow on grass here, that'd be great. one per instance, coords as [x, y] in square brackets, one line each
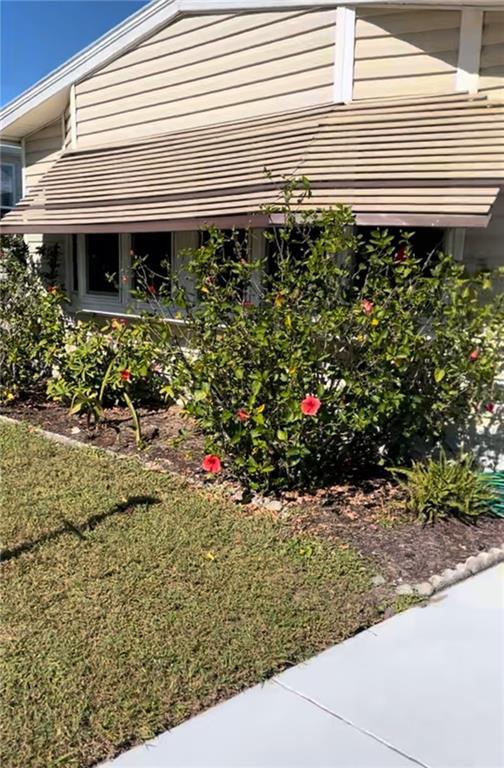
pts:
[80, 529]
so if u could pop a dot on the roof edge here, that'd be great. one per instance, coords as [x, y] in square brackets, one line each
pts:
[112, 43]
[148, 19]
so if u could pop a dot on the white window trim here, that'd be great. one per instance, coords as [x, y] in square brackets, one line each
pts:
[95, 301]
[468, 66]
[110, 304]
[344, 48]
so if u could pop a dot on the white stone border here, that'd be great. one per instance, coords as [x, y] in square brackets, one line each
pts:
[450, 576]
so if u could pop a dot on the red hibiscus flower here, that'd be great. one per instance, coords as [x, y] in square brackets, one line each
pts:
[490, 407]
[367, 306]
[212, 463]
[243, 415]
[152, 290]
[310, 406]
[126, 375]
[400, 255]
[474, 354]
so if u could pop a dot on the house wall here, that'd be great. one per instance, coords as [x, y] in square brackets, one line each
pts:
[484, 248]
[492, 55]
[41, 149]
[209, 69]
[405, 52]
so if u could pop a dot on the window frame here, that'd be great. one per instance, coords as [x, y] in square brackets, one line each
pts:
[94, 300]
[110, 303]
[12, 166]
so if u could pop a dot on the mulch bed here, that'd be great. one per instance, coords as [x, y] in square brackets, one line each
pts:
[366, 513]
[370, 516]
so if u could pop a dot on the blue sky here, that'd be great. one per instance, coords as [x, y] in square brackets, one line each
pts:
[38, 35]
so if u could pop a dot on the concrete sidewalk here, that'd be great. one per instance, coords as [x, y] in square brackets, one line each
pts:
[425, 688]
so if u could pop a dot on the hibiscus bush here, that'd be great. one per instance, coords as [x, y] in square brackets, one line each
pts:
[99, 366]
[32, 320]
[332, 351]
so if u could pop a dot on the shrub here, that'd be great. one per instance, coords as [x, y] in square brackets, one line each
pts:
[109, 365]
[340, 360]
[31, 320]
[440, 488]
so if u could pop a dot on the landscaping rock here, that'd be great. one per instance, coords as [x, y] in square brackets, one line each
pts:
[450, 576]
[75, 430]
[273, 505]
[377, 581]
[404, 589]
[472, 564]
[425, 589]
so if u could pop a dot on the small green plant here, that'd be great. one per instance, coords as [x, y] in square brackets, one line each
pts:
[109, 365]
[32, 321]
[444, 487]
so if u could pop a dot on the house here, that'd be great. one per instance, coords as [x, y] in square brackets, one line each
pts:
[167, 123]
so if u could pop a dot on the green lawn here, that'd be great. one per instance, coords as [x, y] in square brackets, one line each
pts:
[131, 601]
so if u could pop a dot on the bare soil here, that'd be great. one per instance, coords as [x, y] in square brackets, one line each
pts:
[367, 513]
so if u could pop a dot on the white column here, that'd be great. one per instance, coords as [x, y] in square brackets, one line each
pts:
[471, 31]
[344, 45]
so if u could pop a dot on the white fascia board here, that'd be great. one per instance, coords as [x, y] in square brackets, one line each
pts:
[160, 12]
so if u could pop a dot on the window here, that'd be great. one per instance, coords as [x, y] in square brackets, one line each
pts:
[235, 247]
[10, 178]
[298, 246]
[154, 251]
[425, 242]
[102, 264]
[7, 185]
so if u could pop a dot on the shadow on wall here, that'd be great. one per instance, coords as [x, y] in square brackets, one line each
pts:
[484, 437]
[398, 47]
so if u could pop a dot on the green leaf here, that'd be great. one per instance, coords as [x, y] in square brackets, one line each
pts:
[439, 375]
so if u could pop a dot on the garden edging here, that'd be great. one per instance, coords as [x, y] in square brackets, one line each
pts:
[450, 576]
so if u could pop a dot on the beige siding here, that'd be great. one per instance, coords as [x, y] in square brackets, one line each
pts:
[405, 52]
[484, 248]
[210, 69]
[492, 55]
[42, 148]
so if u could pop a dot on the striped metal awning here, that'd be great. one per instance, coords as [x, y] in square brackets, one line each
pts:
[428, 162]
